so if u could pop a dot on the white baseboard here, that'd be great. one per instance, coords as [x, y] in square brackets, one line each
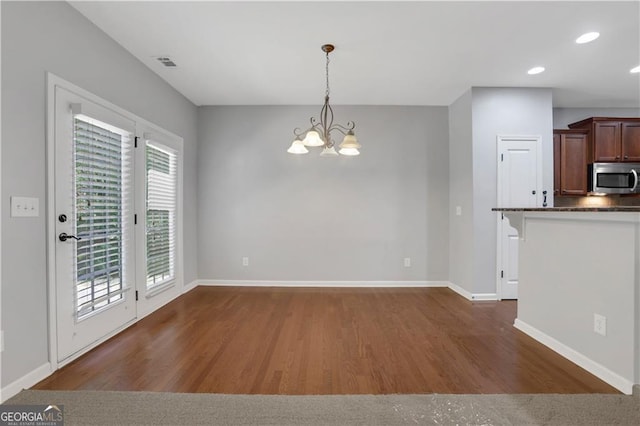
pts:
[26, 381]
[484, 296]
[363, 284]
[461, 291]
[187, 288]
[472, 296]
[614, 379]
[262, 283]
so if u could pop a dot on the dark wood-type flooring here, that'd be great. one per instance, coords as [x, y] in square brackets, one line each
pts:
[326, 341]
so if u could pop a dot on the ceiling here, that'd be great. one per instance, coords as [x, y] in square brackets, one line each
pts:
[387, 53]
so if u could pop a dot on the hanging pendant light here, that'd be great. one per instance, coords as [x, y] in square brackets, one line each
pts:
[319, 134]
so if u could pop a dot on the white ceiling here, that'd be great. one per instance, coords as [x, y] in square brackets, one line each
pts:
[387, 53]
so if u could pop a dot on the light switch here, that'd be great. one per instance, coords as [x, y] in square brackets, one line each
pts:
[25, 207]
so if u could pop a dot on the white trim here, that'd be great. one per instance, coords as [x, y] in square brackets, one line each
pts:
[1, 329]
[264, 283]
[474, 297]
[461, 291]
[482, 297]
[576, 357]
[187, 288]
[26, 381]
[50, 221]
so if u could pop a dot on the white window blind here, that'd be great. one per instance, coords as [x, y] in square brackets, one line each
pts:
[161, 205]
[101, 156]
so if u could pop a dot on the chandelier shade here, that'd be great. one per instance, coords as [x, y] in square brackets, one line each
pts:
[313, 139]
[319, 134]
[297, 147]
[328, 151]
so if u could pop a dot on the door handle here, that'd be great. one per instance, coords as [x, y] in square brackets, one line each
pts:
[64, 237]
[544, 201]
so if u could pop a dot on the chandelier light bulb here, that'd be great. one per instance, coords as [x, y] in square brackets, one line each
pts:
[349, 152]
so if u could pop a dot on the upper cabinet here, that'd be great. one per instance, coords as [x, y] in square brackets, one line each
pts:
[570, 156]
[612, 139]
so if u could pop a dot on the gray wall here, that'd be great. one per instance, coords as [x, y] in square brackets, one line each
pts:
[461, 193]
[502, 111]
[562, 117]
[475, 121]
[52, 36]
[323, 219]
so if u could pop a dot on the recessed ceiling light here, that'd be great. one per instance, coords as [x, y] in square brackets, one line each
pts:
[635, 70]
[587, 37]
[535, 70]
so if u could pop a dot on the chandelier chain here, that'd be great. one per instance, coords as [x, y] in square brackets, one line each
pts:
[327, 75]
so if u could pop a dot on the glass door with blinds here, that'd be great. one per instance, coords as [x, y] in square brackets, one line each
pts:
[161, 209]
[158, 210]
[94, 199]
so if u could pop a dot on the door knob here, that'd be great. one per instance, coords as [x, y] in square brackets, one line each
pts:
[64, 237]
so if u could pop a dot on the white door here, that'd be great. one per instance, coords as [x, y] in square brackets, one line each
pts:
[519, 185]
[94, 249]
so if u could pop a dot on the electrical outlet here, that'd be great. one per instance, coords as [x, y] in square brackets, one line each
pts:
[407, 262]
[245, 261]
[458, 211]
[600, 324]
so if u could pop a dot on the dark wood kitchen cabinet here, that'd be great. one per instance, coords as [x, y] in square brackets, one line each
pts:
[612, 139]
[570, 160]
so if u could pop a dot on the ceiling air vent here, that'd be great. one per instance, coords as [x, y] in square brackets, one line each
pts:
[166, 61]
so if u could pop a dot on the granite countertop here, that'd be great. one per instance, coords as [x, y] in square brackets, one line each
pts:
[568, 209]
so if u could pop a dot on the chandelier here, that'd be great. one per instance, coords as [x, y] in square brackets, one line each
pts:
[319, 134]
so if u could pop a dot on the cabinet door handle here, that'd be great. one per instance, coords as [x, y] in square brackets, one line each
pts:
[617, 157]
[626, 157]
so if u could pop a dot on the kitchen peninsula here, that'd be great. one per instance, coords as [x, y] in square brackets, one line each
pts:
[579, 271]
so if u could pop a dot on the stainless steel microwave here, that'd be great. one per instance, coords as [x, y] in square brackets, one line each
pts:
[614, 178]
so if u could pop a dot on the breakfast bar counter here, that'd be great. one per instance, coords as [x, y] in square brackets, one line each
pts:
[626, 209]
[579, 271]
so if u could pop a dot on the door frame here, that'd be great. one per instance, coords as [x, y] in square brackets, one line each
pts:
[161, 298]
[500, 140]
